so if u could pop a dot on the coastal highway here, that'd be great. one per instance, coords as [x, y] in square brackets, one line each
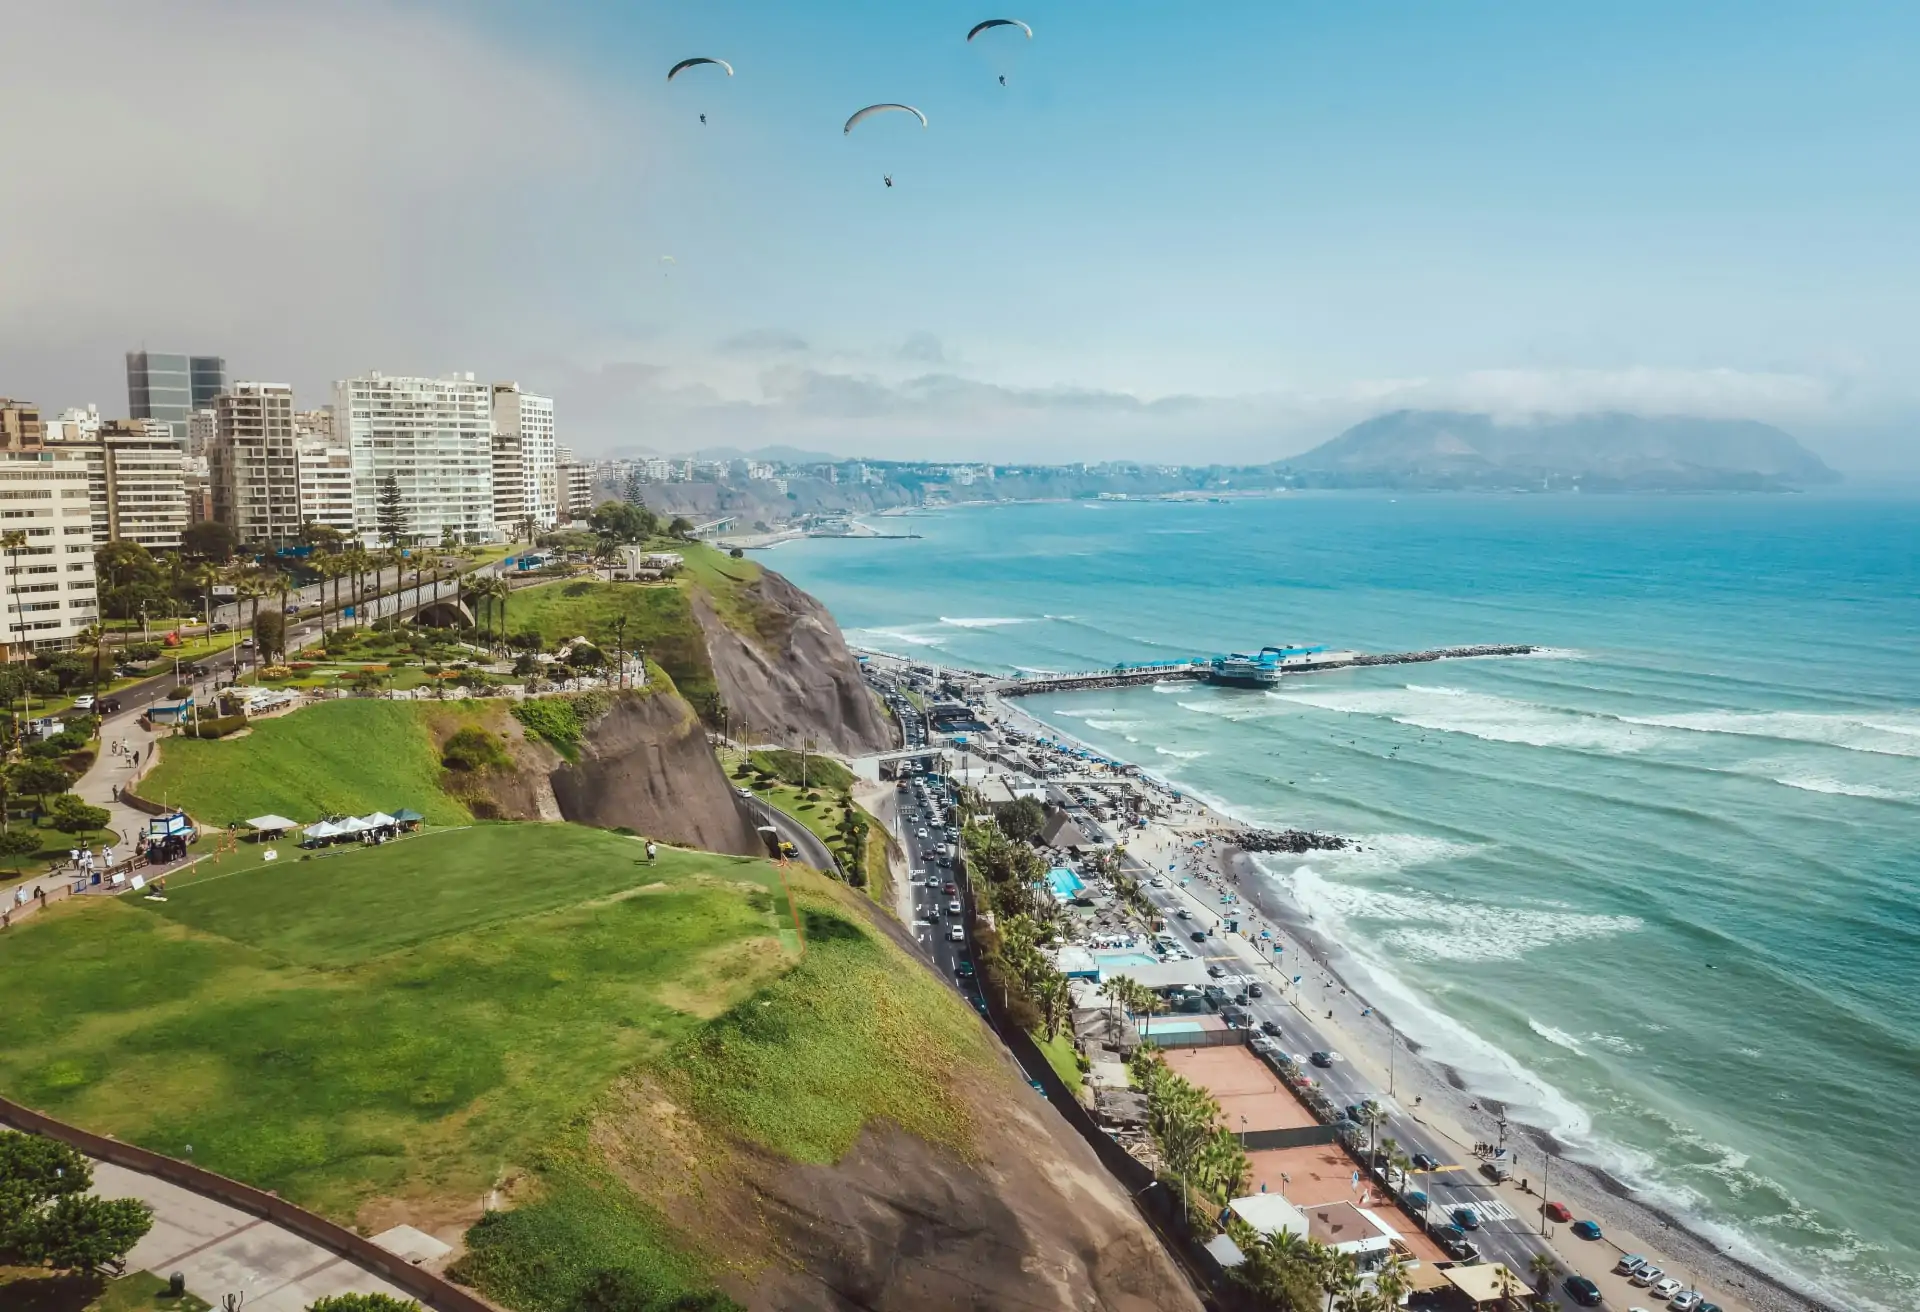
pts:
[933, 921]
[1505, 1234]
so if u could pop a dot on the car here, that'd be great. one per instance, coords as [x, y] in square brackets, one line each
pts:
[1423, 1162]
[933, 913]
[744, 792]
[953, 907]
[1667, 1288]
[1466, 1218]
[1587, 1229]
[1687, 1300]
[1199, 936]
[1708, 1307]
[1183, 914]
[108, 706]
[1464, 1250]
[957, 935]
[1583, 1291]
[1157, 882]
[1255, 991]
[1647, 1275]
[1450, 1234]
[1240, 999]
[222, 627]
[84, 702]
[1557, 1212]
[1628, 1264]
[922, 833]
[1416, 1201]
[1270, 1027]
[1216, 971]
[964, 970]
[1321, 1059]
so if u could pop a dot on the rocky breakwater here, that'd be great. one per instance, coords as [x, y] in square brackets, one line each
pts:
[787, 675]
[1294, 841]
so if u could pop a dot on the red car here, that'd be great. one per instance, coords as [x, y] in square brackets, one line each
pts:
[1557, 1212]
[951, 890]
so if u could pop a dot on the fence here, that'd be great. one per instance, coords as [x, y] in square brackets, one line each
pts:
[1299, 1136]
[1228, 1038]
[432, 1290]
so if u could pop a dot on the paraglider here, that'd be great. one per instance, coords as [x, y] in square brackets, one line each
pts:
[686, 64]
[978, 28]
[1003, 82]
[887, 178]
[862, 115]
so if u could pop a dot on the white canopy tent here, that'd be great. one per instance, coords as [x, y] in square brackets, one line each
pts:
[272, 823]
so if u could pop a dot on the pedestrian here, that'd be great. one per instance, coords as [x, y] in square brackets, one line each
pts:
[652, 851]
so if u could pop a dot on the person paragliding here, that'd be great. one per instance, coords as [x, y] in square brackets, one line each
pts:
[703, 118]
[887, 178]
[696, 62]
[1003, 38]
[1003, 82]
[862, 115]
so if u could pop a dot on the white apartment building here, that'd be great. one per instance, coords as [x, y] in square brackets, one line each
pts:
[326, 484]
[46, 549]
[434, 438]
[138, 469]
[576, 485]
[526, 462]
[252, 465]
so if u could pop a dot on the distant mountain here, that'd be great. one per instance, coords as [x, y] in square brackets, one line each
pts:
[1600, 452]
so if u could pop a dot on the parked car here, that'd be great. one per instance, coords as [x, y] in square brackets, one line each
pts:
[1423, 1162]
[1466, 1218]
[1416, 1200]
[1557, 1212]
[1583, 1291]
[1647, 1275]
[1587, 1229]
[1321, 1059]
[1687, 1300]
[1667, 1288]
[1628, 1264]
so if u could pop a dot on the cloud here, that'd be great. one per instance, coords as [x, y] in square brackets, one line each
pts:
[763, 341]
[1703, 393]
[923, 348]
[309, 190]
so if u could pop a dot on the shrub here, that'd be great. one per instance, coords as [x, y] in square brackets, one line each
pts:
[141, 652]
[70, 815]
[181, 690]
[219, 726]
[473, 750]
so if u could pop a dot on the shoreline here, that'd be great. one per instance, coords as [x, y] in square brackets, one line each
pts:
[1450, 1104]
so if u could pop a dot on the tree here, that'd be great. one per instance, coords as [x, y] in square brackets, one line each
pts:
[37, 778]
[16, 845]
[682, 527]
[81, 1232]
[70, 815]
[625, 522]
[1021, 819]
[270, 634]
[208, 541]
[47, 1215]
[128, 575]
[390, 512]
[363, 1303]
[315, 534]
[1543, 1268]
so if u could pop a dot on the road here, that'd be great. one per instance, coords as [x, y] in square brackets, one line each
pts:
[919, 824]
[1505, 1234]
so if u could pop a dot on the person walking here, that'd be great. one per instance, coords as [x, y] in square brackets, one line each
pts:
[653, 851]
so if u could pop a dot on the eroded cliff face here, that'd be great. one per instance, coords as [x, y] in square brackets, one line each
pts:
[794, 677]
[646, 764]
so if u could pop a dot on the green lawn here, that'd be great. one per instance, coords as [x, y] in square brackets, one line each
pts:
[659, 618]
[25, 1290]
[276, 1017]
[343, 757]
[1060, 1055]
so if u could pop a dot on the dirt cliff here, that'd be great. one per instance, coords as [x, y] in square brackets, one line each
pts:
[793, 676]
[646, 764]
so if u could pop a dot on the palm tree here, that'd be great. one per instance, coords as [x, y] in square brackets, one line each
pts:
[1543, 1268]
[1055, 1003]
[94, 636]
[498, 589]
[1506, 1282]
[1338, 1279]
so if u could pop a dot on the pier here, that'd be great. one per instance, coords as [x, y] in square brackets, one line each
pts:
[1200, 668]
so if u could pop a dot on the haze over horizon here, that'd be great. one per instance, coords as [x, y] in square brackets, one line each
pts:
[1220, 237]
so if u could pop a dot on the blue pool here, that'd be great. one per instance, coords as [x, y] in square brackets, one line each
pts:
[1065, 883]
[1111, 962]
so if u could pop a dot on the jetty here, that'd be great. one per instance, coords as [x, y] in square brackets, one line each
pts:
[1201, 668]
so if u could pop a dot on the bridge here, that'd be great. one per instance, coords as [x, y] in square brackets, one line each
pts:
[1199, 668]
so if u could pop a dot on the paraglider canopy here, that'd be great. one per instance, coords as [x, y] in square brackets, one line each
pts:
[978, 28]
[701, 59]
[867, 113]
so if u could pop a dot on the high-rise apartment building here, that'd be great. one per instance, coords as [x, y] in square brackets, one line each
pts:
[202, 425]
[138, 476]
[46, 547]
[172, 387]
[433, 438]
[576, 485]
[20, 426]
[526, 471]
[252, 464]
[326, 472]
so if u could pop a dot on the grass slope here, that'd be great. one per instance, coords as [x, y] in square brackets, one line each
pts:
[351, 757]
[294, 1058]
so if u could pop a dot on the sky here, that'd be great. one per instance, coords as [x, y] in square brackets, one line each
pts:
[1178, 232]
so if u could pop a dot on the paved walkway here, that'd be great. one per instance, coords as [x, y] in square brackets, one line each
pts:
[222, 1250]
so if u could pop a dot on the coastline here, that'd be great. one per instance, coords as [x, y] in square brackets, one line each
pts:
[1447, 1102]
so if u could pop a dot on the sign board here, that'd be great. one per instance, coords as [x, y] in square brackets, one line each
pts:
[225, 591]
[119, 879]
[139, 882]
[270, 855]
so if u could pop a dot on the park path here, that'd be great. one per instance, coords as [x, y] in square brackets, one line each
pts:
[223, 1250]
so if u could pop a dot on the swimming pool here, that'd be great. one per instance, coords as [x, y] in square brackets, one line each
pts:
[1065, 883]
[1111, 962]
[1172, 1025]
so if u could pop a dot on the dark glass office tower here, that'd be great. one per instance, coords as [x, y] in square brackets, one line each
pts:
[172, 387]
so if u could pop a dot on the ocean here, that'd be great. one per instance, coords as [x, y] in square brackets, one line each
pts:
[1658, 887]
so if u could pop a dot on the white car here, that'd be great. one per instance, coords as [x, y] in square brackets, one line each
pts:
[1685, 1301]
[1667, 1288]
[957, 934]
[953, 907]
[84, 702]
[1646, 1275]
[922, 833]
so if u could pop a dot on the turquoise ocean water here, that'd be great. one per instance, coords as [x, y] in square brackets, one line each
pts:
[1659, 888]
